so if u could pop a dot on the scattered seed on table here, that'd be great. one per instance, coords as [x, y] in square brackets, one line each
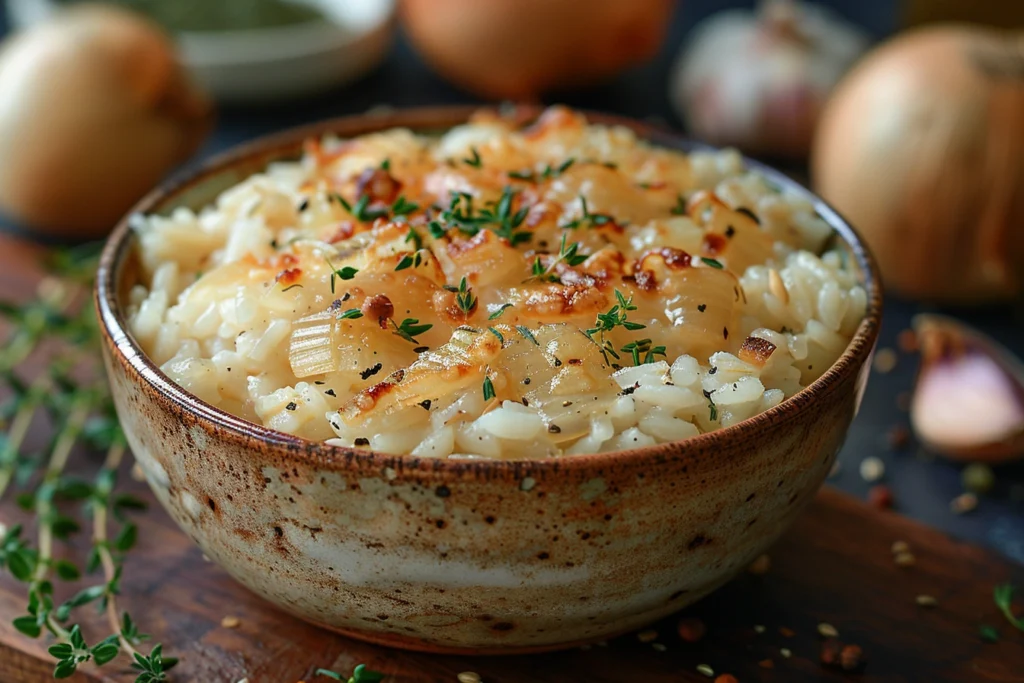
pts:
[904, 559]
[786, 632]
[898, 437]
[900, 547]
[691, 629]
[706, 670]
[906, 340]
[726, 678]
[926, 601]
[760, 566]
[766, 664]
[978, 478]
[786, 652]
[658, 647]
[648, 636]
[872, 469]
[963, 503]
[468, 677]
[880, 496]
[826, 630]
[851, 658]
[230, 622]
[759, 628]
[885, 360]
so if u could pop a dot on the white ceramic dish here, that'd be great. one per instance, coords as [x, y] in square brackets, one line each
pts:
[263, 65]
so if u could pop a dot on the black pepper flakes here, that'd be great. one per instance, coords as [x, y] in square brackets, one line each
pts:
[292, 405]
[713, 370]
[526, 381]
[346, 297]
[629, 390]
[371, 371]
[749, 214]
[361, 441]
[330, 392]
[318, 381]
[702, 308]
[730, 232]
[421, 349]
[425, 404]
[554, 429]
[304, 204]
[725, 332]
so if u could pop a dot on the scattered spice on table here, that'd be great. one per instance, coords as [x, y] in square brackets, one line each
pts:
[898, 437]
[691, 629]
[872, 468]
[904, 559]
[885, 360]
[880, 496]
[900, 547]
[978, 478]
[906, 341]
[926, 601]
[706, 670]
[826, 630]
[469, 677]
[761, 566]
[230, 622]
[647, 636]
[786, 652]
[964, 503]
[759, 628]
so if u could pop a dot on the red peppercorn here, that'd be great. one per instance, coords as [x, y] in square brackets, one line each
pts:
[880, 496]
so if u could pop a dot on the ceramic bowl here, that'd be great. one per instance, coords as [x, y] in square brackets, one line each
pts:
[272, 64]
[456, 555]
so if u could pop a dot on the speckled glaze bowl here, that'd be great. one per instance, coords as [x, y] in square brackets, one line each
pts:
[459, 556]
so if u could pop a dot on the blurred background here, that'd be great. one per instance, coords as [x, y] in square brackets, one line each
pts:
[907, 115]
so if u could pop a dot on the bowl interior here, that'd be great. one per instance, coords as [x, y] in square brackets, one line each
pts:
[195, 189]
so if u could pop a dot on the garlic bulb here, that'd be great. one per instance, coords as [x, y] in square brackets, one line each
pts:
[968, 403]
[759, 80]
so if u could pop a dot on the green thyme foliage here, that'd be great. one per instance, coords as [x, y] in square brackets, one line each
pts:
[81, 410]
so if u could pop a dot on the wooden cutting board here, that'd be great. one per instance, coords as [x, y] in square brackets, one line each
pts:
[834, 566]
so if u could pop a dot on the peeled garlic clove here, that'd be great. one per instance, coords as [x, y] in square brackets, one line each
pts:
[969, 400]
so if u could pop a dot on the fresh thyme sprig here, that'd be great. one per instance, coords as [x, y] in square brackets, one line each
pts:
[410, 328]
[616, 316]
[547, 173]
[465, 299]
[643, 346]
[1003, 596]
[499, 216]
[82, 411]
[566, 253]
[587, 219]
[360, 674]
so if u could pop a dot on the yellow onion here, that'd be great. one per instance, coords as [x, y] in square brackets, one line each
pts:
[94, 110]
[922, 148]
[518, 49]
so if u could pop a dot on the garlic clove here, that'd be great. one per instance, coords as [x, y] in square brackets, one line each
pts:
[968, 403]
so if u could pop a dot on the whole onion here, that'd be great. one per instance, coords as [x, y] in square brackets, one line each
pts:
[94, 110]
[759, 80]
[518, 49]
[922, 148]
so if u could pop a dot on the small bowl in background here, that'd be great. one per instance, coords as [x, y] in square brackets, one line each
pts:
[272, 64]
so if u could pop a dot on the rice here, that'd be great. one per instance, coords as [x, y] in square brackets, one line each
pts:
[495, 292]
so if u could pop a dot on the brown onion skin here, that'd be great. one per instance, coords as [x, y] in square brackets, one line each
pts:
[94, 111]
[518, 49]
[922, 148]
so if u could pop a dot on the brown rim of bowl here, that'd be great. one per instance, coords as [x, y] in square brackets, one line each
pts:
[287, 143]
